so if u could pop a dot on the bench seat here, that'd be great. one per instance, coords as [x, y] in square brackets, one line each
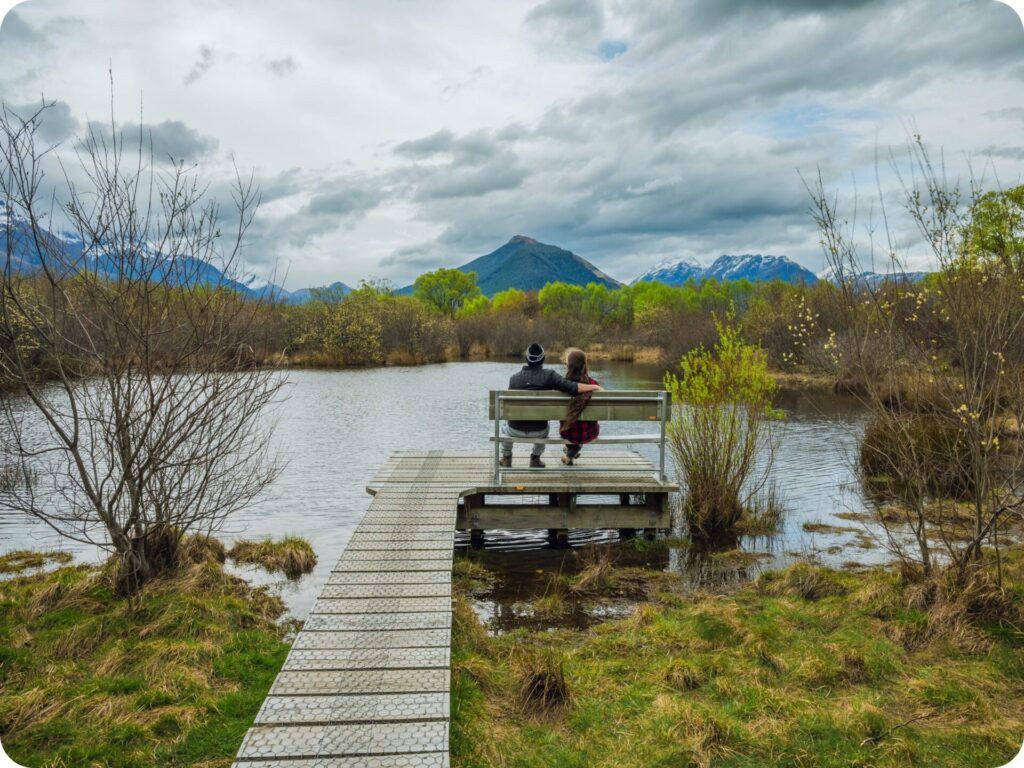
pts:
[607, 405]
[607, 440]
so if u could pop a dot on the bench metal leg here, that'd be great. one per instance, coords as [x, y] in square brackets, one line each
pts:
[497, 434]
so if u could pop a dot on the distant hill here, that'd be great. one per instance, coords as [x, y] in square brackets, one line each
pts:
[753, 267]
[25, 259]
[874, 280]
[302, 295]
[528, 265]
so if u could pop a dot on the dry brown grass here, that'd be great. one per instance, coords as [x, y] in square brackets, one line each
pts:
[597, 576]
[801, 580]
[201, 548]
[542, 684]
[291, 556]
[683, 676]
[23, 559]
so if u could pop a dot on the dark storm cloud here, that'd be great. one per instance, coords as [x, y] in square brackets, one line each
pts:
[713, 13]
[202, 65]
[501, 173]
[283, 66]
[756, 68]
[15, 29]
[435, 143]
[474, 147]
[55, 123]
[168, 140]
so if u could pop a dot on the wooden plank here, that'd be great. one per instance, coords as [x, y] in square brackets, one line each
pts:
[618, 405]
[525, 517]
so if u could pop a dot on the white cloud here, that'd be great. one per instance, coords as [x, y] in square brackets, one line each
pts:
[389, 139]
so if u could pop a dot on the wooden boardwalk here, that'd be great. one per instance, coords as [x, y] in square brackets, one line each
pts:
[366, 684]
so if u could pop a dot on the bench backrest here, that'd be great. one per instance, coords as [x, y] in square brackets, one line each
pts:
[610, 405]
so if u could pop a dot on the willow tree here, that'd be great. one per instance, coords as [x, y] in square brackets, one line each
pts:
[722, 432]
[135, 360]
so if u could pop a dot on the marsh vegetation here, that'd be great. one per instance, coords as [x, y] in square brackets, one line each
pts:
[173, 676]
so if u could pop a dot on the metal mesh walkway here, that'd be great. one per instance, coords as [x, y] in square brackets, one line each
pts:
[366, 684]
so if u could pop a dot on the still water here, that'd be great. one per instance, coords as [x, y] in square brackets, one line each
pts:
[335, 428]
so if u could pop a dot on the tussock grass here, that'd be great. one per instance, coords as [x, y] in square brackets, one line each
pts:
[802, 580]
[598, 575]
[292, 556]
[470, 575]
[806, 667]
[23, 559]
[540, 674]
[173, 677]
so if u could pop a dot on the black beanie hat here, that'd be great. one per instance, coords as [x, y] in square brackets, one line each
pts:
[535, 354]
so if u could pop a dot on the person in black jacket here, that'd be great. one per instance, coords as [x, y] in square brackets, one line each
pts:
[535, 376]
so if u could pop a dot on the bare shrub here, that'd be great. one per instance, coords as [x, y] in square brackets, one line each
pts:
[153, 427]
[939, 364]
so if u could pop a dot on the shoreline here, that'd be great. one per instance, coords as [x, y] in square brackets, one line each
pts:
[647, 356]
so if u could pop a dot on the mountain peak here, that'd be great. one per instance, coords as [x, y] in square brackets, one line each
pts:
[524, 239]
[529, 265]
[754, 267]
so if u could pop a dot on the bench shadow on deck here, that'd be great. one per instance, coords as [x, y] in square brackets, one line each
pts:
[366, 684]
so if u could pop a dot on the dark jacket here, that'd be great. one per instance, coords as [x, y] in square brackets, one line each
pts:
[539, 377]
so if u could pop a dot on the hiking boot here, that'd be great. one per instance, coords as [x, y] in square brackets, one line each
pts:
[505, 461]
[535, 462]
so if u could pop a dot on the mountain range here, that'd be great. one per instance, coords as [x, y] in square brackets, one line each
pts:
[873, 280]
[752, 267]
[74, 256]
[522, 263]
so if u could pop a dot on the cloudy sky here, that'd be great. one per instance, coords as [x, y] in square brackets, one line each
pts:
[390, 137]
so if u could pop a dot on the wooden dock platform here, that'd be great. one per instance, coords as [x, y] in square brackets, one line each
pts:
[366, 684]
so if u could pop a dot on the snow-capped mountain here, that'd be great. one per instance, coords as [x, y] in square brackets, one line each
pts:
[672, 272]
[752, 267]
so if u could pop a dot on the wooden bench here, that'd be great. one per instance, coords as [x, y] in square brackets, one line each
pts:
[654, 406]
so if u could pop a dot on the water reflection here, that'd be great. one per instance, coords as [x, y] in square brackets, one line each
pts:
[337, 427]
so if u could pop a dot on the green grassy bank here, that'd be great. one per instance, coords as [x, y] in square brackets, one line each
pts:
[808, 667]
[172, 678]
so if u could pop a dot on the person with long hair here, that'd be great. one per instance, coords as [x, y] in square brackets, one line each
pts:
[535, 376]
[572, 428]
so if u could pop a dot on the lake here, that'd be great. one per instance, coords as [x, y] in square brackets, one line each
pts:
[335, 428]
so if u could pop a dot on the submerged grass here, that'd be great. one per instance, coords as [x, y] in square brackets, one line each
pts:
[806, 667]
[292, 556]
[172, 678]
[24, 559]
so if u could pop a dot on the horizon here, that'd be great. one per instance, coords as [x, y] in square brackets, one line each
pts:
[389, 143]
